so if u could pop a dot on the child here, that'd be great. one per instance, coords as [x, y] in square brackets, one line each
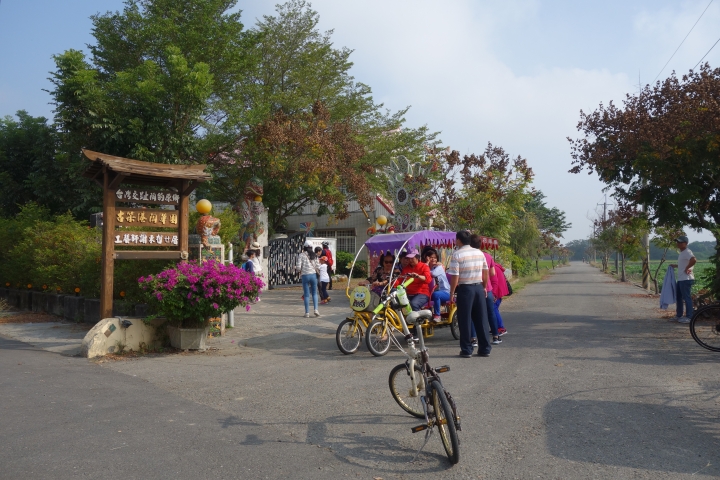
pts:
[324, 280]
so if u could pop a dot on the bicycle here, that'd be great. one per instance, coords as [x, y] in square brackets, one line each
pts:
[705, 327]
[426, 396]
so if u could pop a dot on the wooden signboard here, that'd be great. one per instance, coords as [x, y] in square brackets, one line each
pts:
[129, 185]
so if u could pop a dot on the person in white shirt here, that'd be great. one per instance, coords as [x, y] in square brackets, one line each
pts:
[324, 280]
[309, 267]
[685, 280]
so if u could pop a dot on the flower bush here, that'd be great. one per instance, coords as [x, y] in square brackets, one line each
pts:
[190, 293]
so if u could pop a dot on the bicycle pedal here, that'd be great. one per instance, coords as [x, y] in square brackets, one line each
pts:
[443, 369]
[419, 428]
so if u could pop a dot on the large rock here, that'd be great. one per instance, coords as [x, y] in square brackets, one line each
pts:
[109, 334]
[74, 308]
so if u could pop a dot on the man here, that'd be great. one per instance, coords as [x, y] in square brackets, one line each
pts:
[419, 290]
[468, 272]
[326, 252]
[685, 280]
[476, 242]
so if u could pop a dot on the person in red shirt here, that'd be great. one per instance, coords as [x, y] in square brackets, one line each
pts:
[326, 252]
[419, 290]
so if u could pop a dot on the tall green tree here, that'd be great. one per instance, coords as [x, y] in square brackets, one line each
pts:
[661, 149]
[30, 170]
[160, 75]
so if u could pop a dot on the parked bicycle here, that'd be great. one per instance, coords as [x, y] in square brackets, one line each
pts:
[415, 385]
[705, 327]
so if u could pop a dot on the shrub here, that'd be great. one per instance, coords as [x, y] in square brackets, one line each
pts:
[190, 293]
[343, 262]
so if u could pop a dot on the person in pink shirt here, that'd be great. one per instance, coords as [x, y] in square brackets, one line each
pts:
[476, 242]
[500, 290]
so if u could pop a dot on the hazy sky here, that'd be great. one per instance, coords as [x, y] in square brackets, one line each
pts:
[514, 73]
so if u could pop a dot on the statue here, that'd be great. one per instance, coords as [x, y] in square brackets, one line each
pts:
[250, 208]
[207, 225]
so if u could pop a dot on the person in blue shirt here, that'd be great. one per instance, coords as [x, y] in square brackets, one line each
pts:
[441, 294]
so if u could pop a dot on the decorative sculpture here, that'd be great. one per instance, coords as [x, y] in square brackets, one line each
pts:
[250, 208]
[207, 225]
[409, 184]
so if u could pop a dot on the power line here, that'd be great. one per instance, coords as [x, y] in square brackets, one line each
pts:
[716, 42]
[683, 41]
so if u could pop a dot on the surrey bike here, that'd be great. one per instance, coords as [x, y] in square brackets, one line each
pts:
[415, 385]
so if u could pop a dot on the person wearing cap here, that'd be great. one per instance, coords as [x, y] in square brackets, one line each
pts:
[419, 290]
[247, 265]
[326, 252]
[468, 272]
[685, 280]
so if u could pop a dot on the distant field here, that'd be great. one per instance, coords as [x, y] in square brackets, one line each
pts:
[634, 270]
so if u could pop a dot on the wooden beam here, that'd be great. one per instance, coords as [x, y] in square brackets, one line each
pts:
[116, 182]
[184, 218]
[145, 255]
[188, 187]
[108, 248]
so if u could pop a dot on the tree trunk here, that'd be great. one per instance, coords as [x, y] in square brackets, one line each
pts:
[622, 259]
[537, 265]
[617, 267]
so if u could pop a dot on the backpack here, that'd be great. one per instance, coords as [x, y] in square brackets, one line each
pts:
[248, 267]
[509, 287]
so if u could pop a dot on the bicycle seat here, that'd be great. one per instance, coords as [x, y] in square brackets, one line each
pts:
[419, 316]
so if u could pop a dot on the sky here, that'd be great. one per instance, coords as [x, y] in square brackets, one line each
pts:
[515, 73]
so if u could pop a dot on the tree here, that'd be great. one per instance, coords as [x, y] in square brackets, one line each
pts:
[159, 76]
[661, 150]
[665, 240]
[29, 168]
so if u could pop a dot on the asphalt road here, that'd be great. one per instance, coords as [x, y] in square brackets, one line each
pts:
[588, 383]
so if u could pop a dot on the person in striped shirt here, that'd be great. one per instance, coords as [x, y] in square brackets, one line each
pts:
[468, 272]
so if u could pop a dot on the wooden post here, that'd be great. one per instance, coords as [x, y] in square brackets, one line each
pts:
[108, 248]
[183, 219]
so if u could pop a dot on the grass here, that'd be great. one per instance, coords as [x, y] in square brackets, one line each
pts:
[633, 271]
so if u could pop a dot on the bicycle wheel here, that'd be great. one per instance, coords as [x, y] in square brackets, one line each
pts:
[348, 336]
[377, 337]
[705, 327]
[454, 327]
[445, 421]
[401, 388]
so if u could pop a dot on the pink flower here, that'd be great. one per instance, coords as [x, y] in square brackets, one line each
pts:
[216, 306]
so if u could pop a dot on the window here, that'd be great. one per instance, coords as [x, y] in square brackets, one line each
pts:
[345, 238]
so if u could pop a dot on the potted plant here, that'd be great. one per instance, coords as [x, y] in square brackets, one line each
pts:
[189, 294]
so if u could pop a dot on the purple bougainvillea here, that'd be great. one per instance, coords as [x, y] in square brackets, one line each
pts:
[190, 293]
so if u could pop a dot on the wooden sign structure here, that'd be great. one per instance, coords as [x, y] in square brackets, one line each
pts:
[124, 183]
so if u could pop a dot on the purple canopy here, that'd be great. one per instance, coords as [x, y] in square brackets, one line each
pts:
[393, 241]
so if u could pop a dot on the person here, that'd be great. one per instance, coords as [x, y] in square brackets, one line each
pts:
[255, 259]
[308, 266]
[381, 275]
[468, 274]
[476, 242]
[324, 280]
[418, 291]
[685, 280]
[246, 265]
[500, 290]
[441, 292]
[326, 252]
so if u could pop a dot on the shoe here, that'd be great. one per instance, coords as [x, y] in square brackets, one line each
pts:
[327, 300]
[496, 341]
[437, 319]
[474, 342]
[317, 314]
[501, 332]
[307, 315]
[683, 320]
[465, 355]
[483, 354]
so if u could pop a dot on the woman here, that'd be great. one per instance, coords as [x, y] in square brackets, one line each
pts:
[441, 292]
[308, 266]
[381, 276]
[499, 284]
[255, 259]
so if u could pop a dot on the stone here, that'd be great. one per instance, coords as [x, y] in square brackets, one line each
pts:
[91, 310]
[74, 308]
[105, 335]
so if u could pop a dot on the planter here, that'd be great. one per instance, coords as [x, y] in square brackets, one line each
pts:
[188, 338]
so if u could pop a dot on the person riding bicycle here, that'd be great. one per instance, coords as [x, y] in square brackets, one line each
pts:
[419, 290]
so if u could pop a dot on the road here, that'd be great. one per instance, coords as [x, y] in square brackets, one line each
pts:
[589, 383]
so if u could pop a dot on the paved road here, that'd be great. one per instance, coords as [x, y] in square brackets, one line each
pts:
[589, 383]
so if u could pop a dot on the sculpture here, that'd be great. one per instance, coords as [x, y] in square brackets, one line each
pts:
[207, 225]
[410, 187]
[250, 208]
